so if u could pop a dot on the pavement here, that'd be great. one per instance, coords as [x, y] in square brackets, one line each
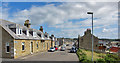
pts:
[50, 56]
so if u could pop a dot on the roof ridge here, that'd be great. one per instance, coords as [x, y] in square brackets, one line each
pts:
[7, 21]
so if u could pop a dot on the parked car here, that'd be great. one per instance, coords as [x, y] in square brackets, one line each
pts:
[73, 50]
[64, 45]
[52, 49]
[67, 45]
[62, 48]
[56, 48]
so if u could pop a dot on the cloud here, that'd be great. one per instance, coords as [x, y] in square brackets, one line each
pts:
[59, 16]
[61, 1]
[5, 5]
[109, 33]
[109, 30]
[4, 11]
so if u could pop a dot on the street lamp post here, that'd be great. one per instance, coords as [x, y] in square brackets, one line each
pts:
[92, 32]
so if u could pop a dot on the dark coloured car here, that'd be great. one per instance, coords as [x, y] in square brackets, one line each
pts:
[67, 45]
[73, 50]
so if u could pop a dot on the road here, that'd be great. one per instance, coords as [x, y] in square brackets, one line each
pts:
[51, 56]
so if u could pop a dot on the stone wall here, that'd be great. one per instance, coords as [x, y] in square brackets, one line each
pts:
[42, 47]
[16, 46]
[86, 41]
[9, 39]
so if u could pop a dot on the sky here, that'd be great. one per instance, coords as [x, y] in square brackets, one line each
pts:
[65, 19]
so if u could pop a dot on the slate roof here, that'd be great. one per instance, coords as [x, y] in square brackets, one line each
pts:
[5, 23]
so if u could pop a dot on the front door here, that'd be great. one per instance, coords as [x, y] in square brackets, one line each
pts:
[47, 46]
[31, 47]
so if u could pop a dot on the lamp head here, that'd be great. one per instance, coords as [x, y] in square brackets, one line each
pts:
[89, 12]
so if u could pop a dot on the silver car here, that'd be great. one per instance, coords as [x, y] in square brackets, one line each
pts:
[52, 49]
[62, 48]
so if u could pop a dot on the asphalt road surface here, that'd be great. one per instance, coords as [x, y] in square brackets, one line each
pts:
[51, 56]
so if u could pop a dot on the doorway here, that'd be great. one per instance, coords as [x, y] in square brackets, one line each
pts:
[47, 46]
[31, 47]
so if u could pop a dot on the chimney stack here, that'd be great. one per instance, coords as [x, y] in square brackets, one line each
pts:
[41, 28]
[88, 31]
[52, 35]
[27, 24]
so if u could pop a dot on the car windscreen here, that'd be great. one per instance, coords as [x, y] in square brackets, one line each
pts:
[73, 48]
[52, 48]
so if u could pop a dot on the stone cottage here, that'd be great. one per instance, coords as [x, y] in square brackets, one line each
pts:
[85, 41]
[18, 40]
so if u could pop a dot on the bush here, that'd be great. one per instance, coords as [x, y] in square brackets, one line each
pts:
[82, 56]
[101, 55]
[108, 59]
[111, 57]
[100, 60]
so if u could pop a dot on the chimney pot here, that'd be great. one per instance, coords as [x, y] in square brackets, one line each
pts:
[41, 28]
[27, 24]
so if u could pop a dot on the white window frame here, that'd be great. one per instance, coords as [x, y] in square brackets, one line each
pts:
[18, 31]
[27, 32]
[23, 43]
[34, 34]
[52, 38]
[7, 44]
[42, 36]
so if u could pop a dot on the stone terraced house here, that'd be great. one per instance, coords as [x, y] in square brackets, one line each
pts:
[18, 40]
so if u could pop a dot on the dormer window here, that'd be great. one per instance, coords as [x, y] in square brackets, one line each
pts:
[34, 34]
[46, 36]
[42, 36]
[24, 32]
[27, 32]
[19, 31]
[39, 35]
[52, 38]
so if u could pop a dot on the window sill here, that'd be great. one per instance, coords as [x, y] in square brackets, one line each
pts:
[23, 51]
[19, 34]
[7, 52]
